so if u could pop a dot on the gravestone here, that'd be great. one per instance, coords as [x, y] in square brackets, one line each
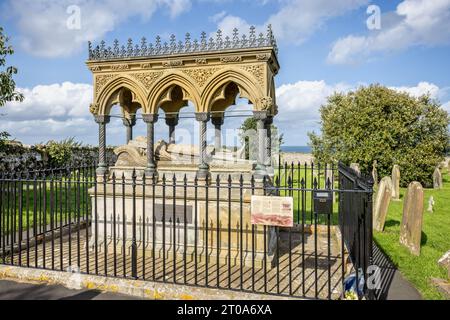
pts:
[411, 227]
[375, 174]
[444, 262]
[437, 178]
[430, 204]
[355, 166]
[382, 200]
[396, 182]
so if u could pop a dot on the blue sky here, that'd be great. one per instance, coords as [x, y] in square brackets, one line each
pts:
[324, 46]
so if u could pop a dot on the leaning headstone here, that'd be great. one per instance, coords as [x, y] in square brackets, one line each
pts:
[411, 227]
[444, 262]
[437, 178]
[430, 204]
[375, 174]
[382, 200]
[355, 166]
[396, 182]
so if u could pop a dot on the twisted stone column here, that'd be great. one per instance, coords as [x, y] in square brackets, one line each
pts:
[203, 168]
[268, 125]
[172, 121]
[102, 120]
[217, 122]
[150, 119]
[260, 117]
[129, 124]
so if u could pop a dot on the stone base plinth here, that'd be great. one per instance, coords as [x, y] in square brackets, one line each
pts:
[204, 216]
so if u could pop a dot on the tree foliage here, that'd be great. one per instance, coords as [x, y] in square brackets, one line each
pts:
[377, 123]
[7, 84]
[60, 152]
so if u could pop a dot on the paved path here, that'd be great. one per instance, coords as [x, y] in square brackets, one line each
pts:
[394, 286]
[11, 290]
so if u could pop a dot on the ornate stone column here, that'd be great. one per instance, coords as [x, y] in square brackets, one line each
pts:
[203, 167]
[150, 119]
[260, 117]
[129, 124]
[268, 125]
[217, 122]
[172, 121]
[102, 121]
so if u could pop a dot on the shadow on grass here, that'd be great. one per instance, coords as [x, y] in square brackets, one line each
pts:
[423, 239]
[391, 223]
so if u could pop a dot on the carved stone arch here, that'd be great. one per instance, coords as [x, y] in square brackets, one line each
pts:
[163, 87]
[110, 94]
[247, 85]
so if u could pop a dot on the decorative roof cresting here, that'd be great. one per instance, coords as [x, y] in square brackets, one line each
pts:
[219, 43]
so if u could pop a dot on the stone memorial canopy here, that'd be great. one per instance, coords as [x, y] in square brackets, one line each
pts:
[210, 73]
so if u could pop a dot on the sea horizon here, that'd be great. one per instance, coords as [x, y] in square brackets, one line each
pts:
[298, 149]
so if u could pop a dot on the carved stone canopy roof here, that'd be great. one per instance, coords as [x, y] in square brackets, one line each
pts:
[188, 46]
[210, 74]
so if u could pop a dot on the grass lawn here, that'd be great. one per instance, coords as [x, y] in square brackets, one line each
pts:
[435, 241]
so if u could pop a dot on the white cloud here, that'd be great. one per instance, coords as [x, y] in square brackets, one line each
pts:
[414, 22]
[421, 89]
[56, 101]
[296, 20]
[43, 23]
[299, 19]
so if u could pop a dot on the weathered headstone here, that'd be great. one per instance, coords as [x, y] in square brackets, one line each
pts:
[411, 227]
[355, 166]
[437, 178]
[444, 262]
[375, 174]
[430, 204]
[396, 182]
[382, 200]
[329, 175]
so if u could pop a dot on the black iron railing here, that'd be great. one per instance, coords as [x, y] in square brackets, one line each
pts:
[188, 231]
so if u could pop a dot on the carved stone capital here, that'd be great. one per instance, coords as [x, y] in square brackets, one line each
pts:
[202, 116]
[102, 119]
[150, 117]
[217, 120]
[260, 115]
[129, 122]
[269, 120]
[172, 120]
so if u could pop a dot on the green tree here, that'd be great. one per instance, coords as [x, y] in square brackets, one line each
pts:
[377, 123]
[7, 84]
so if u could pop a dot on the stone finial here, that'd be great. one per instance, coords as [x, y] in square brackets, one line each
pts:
[437, 179]
[411, 226]
[382, 200]
[395, 182]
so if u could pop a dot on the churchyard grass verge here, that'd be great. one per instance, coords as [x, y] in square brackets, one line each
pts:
[435, 241]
